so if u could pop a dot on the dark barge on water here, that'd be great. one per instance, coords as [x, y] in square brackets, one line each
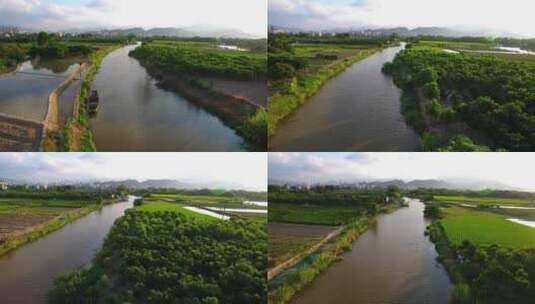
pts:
[93, 102]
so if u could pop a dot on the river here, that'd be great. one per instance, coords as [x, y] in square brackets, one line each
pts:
[393, 262]
[359, 110]
[27, 273]
[25, 92]
[135, 114]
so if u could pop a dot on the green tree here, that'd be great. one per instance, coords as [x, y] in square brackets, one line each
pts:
[42, 39]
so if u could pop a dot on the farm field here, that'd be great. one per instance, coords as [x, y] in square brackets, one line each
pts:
[312, 214]
[485, 201]
[287, 240]
[24, 220]
[485, 229]
[173, 207]
[209, 199]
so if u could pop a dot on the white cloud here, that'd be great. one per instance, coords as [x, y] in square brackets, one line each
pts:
[248, 170]
[512, 16]
[513, 169]
[250, 16]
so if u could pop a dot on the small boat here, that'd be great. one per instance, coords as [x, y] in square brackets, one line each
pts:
[93, 102]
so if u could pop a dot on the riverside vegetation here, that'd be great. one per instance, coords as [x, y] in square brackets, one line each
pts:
[299, 65]
[29, 214]
[316, 210]
[465, 95]
[159, 252]
[196, 64]
[488, 257]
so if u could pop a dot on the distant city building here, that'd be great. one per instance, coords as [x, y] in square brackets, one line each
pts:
[4, 186]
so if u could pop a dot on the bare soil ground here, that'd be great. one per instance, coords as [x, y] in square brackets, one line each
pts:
[253, 91]
[16, 220]
[290, 241]
[19, 134]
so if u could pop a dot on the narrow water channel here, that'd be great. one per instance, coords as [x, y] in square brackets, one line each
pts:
[393, 262]
[359, 110]
[27, 273]
[137, 115]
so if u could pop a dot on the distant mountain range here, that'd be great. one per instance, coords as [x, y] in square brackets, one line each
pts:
[406, 32]
[176, 32]
[138, 185]
[152, 183]
[205, 31]
[417, 184]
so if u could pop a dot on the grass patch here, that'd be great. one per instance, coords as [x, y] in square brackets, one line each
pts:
[483, 201]
[310, 214]
[172, 207]
[485, 229]
[197, 198]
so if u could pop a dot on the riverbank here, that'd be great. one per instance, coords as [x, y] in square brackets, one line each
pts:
[36, 232]
[486, 256]
[312, 263]
[283, 104]
[243, 116]
[77, 134]
[51, 139]
[463, 97]
[30, 234]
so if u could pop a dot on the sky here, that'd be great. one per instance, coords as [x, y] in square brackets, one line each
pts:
[512, 169]
[513, 16]
[243, 170]
[250, 16]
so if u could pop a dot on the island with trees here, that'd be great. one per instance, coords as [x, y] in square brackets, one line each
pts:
[178, 246]
[467, 94]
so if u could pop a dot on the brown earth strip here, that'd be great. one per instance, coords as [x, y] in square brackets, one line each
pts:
[273, 272]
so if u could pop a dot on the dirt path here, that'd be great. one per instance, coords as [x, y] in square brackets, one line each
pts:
[51, 122]
[275, 271]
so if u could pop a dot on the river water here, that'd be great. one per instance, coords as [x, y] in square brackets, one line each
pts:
[25, 93]
[393, 262]
[27, 273]
[137, 115]
[359, 110]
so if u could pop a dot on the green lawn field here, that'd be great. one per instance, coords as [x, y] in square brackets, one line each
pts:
[309, 214]
[198, 198]
[485, 228]
[484, 201]
[172, 207]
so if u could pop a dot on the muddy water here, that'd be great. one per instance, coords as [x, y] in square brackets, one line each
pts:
[393, 262]
[136, 115]
[25, 92]
[359, 111]
[27, 274]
